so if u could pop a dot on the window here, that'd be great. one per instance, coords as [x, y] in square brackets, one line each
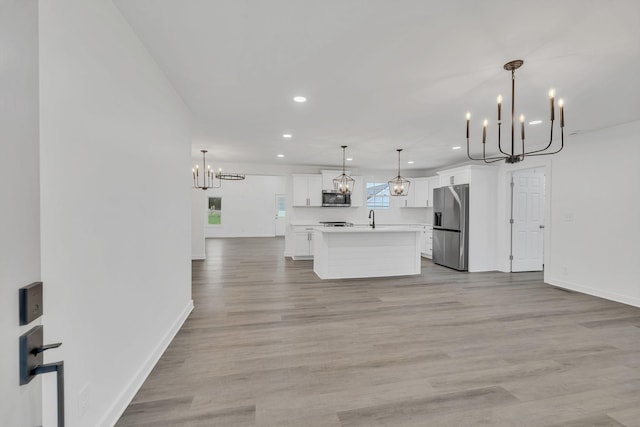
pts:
[215, 210]
[378, 195]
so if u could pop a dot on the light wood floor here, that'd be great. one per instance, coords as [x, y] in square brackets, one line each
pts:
[269, 344]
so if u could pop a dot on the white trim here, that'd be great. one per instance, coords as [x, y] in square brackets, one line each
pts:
[116, 410]
[198, 257]
[624, 299]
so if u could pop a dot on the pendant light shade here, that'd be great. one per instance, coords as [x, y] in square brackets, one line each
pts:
[343, 183]
[399, 186]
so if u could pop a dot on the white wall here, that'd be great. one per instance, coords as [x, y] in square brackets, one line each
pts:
[115, 206]
[248, 206]
[198, 218]
[20, 207]
[482, 218]
[595, 214]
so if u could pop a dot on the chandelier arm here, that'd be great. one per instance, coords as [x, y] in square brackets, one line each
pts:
[489, 159]
[548, 145]
[493, 159]
[552, 152]
[468, 154]
[499, 140]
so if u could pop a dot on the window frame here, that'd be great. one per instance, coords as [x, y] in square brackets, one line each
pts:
[381, 201]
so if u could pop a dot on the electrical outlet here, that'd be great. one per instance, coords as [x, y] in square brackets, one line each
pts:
[84, 399]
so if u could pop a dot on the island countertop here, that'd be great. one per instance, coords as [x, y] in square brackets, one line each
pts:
[361, 229]
[351, 252]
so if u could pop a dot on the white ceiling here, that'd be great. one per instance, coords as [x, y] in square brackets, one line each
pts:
[385, 74]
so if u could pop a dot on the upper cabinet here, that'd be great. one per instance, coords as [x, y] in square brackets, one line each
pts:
[421, 192]
[307, 190]
[417, 197]
[357, 195]
[455, 176]
[432, 182]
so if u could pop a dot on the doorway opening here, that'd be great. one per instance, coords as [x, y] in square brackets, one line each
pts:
[280, 215]
[527, 220]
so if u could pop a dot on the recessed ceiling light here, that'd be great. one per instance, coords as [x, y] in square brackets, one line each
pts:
[411, 162]
[457, 147]
[286, 135]
[349, 159]
[535, 122]
[280, 155]
[300, 99]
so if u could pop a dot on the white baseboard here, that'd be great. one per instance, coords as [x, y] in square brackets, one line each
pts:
[625, 299]
[198, 257]
[126, 396]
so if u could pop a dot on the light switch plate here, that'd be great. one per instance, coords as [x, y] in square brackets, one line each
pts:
[30, 303]
[30, 341]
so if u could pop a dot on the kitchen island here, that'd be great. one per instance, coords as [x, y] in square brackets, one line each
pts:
[356, 252]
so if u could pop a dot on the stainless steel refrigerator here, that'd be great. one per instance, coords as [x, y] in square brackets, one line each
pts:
[451, 226]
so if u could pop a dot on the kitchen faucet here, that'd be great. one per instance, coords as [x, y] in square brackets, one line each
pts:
[372, 214]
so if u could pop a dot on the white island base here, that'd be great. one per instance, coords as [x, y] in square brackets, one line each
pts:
[356, 252]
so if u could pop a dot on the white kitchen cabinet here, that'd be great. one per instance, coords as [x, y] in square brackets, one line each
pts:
[432, 183]
[408, 201]
[302, 242]
[454, 176]
[418, 194]
[421, 193]
[307, 190]
[426, 243]
[357, 195]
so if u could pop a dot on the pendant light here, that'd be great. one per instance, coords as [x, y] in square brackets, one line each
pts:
[399, 186]
[343, 184]
[510, 155]
[209, 177]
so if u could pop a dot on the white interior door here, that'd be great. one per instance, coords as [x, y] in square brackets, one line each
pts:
[528, 220]
[280, 214]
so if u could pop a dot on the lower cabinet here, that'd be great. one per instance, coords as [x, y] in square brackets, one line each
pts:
[426, 243]
[303, 242]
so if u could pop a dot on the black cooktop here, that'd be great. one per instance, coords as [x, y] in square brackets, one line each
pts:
[336, 224]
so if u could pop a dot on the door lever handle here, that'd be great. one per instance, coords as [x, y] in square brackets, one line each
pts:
[542, 226]
[45, 348]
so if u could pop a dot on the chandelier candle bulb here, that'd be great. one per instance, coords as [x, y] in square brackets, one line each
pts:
[561, 105]
[499, 108]
[522, 125]
[468, 117]
[552, 95]
[484, 131]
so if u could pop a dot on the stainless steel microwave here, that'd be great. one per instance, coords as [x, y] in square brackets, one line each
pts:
[335, 199]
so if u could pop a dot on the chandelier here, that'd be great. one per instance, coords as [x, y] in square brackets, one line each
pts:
[511, 156]
[343, 183]
[209, 177]
[399, 186]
